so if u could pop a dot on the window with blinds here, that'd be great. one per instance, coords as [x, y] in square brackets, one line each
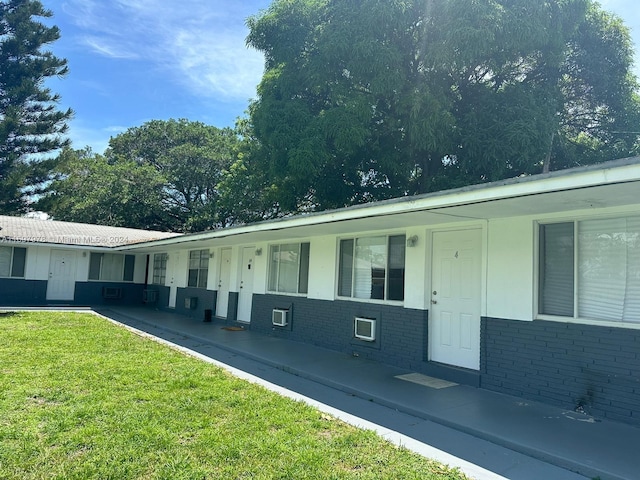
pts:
[556, 269]
[289, 268]
[111, 267]
[372, 268]
[591, 269]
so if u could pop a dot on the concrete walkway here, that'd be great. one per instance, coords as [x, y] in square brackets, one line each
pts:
[510, 436]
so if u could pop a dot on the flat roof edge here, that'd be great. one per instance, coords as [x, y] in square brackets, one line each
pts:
[585, 176]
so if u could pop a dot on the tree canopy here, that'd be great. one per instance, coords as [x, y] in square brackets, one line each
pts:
[364, 100]
[371, 99]
[30, 122]
[90, 189]
[163, 175]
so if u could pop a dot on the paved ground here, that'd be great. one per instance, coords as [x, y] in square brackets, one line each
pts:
[488, 435]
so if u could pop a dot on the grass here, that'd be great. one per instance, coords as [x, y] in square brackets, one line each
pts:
[81, 398]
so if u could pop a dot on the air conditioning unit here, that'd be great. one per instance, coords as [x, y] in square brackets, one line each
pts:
[279, 317]
[111, 292]
[149, 295]
[190, 303]
[365, 329]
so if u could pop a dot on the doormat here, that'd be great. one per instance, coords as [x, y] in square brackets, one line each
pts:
[233, 329]
[426, 381]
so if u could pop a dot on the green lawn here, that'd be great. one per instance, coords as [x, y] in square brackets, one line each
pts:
[81, 398]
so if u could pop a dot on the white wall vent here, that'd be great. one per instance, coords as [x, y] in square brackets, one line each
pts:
[279, 317]
[365, 329]
[111, 292]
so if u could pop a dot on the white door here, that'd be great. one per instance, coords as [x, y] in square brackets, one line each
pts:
[222, 305]
[245, 294]
[454, 318]
[62, 275]
[173, 278]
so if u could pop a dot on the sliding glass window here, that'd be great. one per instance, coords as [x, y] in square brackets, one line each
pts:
[372, 267]
[591, 269]
[289, 268]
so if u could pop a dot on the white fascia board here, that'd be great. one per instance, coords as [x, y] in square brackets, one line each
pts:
[60, 246]
[619, 171]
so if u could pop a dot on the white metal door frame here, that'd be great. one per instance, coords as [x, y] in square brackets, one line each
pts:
[174, 258]
[224, 278]
[456, 283]
[245, 288]
[61, 284]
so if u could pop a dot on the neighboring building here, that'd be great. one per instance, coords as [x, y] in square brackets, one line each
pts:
[528, 286]
[49, 262]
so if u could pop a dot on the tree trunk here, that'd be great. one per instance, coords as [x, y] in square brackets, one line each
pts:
[547, 161]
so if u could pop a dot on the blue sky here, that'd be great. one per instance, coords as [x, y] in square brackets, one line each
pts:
[132, 61]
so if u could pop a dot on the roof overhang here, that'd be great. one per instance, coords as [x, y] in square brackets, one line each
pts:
[65, 246]
[612, 184]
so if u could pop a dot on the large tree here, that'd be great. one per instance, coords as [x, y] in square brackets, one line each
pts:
[247, 193]
[369, 99]
[192, 157]
[90, 189]
[165, 175]
[30, 121]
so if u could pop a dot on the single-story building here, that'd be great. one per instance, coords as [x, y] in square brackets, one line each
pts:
[61, 263]
[528, 286]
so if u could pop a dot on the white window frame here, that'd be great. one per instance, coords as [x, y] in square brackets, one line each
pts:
[202, 273]
[270, 271]
[101, 268]
[12, 259]
[161, 267]
[575, 318]
[385, 298]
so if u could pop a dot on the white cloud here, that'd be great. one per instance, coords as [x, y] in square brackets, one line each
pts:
[101, 46]
[82, 135]
[197, 43]
[217, 64]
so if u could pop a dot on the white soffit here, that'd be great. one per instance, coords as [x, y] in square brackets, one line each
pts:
[608, 185]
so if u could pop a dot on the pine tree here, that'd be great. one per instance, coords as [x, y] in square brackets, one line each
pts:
[30, 121]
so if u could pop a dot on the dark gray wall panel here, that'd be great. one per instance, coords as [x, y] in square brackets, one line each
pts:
[401, 332]
[19, 292]
[584, 367]
[91, 293]
[206, 300]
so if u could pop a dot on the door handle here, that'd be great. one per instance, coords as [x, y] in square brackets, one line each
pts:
[434, 301]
